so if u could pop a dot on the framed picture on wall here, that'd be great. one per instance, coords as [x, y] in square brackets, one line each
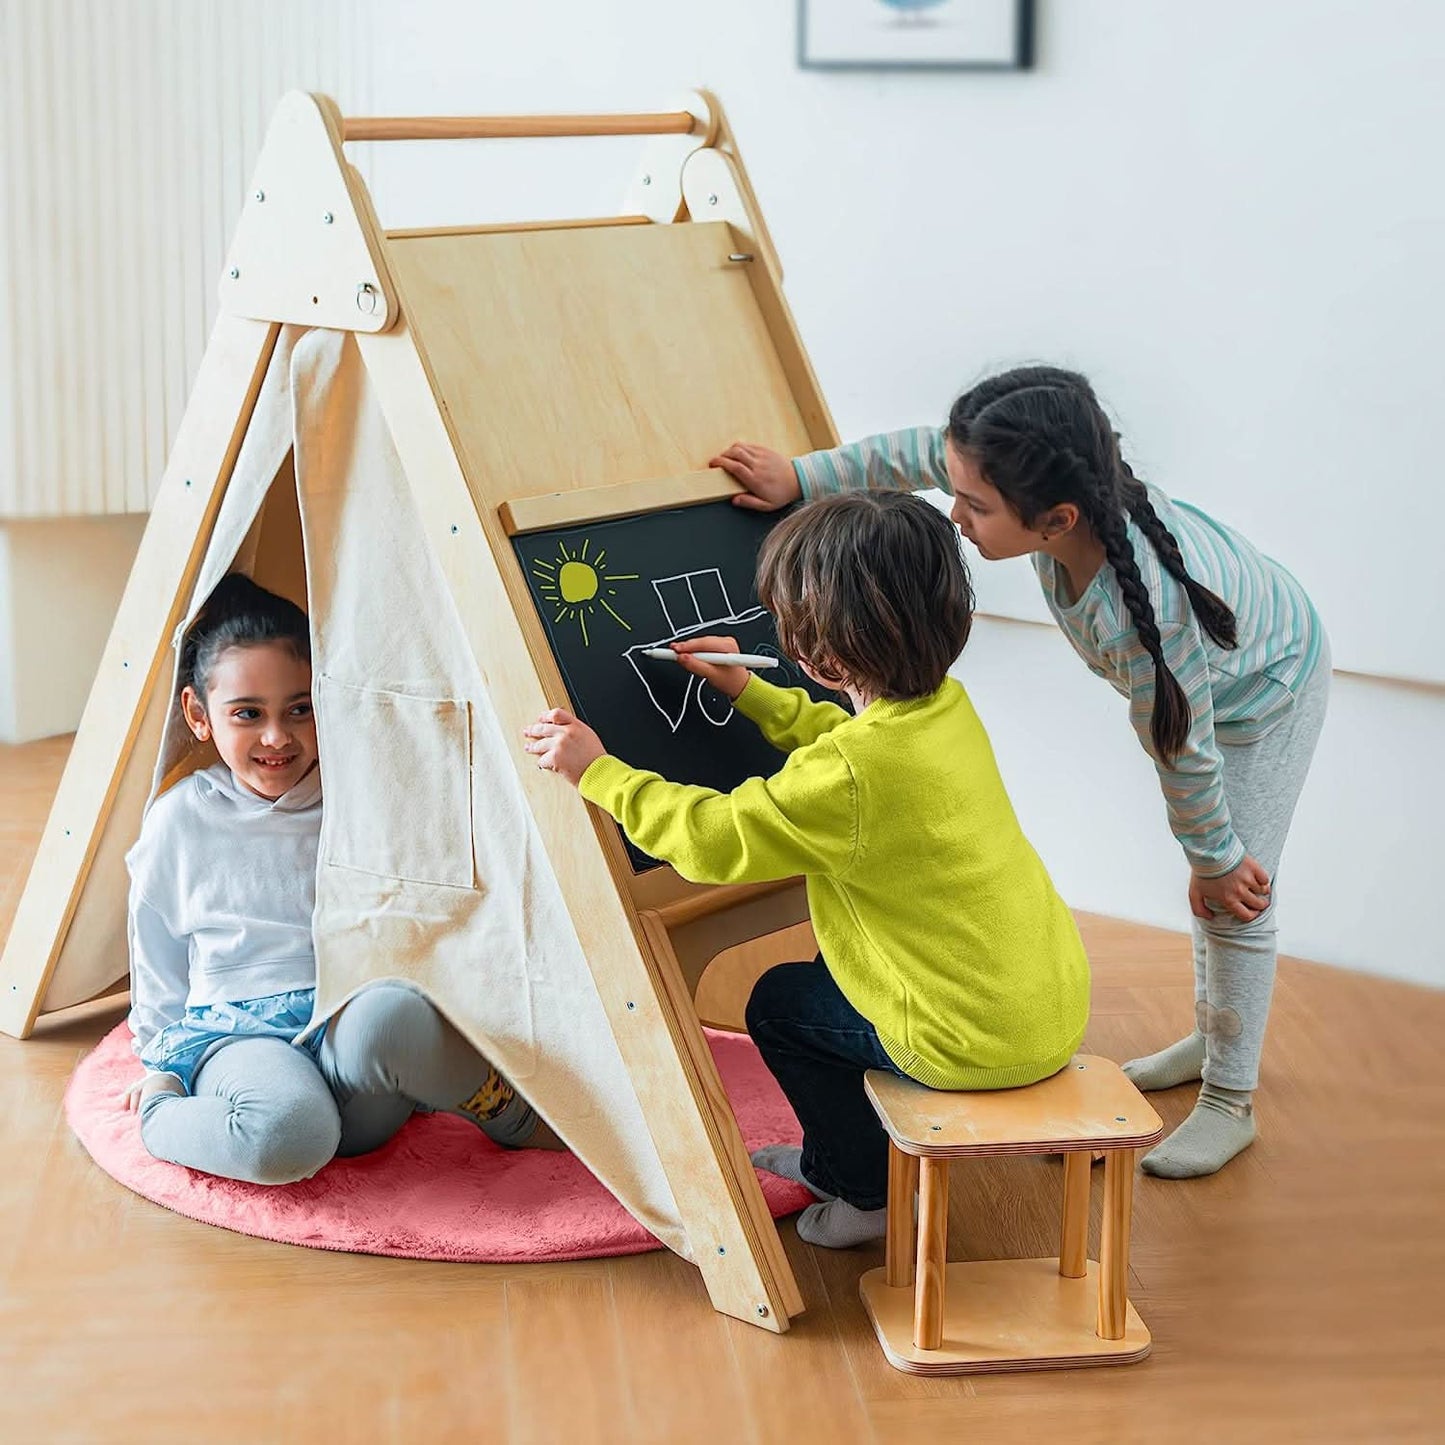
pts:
[915, 34]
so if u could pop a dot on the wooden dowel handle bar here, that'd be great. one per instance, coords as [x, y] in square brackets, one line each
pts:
[493, 127]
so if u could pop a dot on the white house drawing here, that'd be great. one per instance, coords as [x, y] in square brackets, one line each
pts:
[693, 603]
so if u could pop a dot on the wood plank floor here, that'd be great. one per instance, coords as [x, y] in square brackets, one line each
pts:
[1299, 1295]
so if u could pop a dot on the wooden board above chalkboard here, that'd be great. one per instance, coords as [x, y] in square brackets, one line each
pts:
[605, 590]
[552, 510]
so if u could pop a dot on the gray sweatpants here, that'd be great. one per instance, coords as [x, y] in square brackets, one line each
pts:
[262, 1110]
[1234, 962]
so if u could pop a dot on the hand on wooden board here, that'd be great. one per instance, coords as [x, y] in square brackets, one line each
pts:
[563, 745]
[768, 476]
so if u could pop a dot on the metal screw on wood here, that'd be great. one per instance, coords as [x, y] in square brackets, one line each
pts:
[712, 200]
[235, 272]
[740, 256]
[763, 1312]
[647, 180]
[327, 218]
[260, 195]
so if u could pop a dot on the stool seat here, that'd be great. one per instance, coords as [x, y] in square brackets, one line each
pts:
[936, 1318]
[1088, 1104]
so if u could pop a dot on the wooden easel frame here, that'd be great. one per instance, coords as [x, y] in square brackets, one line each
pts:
[309, 251]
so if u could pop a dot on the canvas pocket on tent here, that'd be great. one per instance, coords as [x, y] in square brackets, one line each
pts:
[398, 776]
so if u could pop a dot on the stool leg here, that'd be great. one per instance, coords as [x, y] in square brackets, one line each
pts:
[932, 1253]
[902, 1187]
[1114, 1244]
[1074, 1232]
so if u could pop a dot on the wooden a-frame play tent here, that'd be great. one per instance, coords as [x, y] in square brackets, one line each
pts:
[375, 413]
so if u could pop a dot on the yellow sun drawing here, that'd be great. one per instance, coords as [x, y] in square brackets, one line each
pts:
[575, 586]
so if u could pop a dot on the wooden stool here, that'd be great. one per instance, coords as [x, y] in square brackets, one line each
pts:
[1009, 1314]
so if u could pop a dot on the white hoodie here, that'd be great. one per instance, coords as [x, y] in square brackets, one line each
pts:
[223, 886]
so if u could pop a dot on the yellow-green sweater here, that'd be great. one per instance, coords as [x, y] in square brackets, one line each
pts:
[934, 913]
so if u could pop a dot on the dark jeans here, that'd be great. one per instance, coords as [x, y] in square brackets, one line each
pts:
[818, 1047]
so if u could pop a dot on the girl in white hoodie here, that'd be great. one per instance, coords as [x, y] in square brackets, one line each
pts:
[223, 885]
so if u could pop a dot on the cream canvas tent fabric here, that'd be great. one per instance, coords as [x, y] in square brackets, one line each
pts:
[431, 867]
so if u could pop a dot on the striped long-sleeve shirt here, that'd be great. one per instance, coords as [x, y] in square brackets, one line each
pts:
[1236, 695]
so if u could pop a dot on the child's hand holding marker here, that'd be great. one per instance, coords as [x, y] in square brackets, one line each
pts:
[729, 679]
[563, 745]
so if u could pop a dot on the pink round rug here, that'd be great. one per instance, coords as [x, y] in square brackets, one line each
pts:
[439, 1190]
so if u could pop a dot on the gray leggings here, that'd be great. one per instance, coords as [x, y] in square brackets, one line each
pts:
[263, 1111]
[1234, 962]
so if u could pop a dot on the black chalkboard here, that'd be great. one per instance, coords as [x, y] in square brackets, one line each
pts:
[606, 590]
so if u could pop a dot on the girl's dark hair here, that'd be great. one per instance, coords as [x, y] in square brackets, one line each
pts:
[238, 613]
[1041, 438]
[870, 588]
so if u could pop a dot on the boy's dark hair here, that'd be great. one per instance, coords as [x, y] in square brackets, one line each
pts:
[870, 588]
[239, 613]
[1041, 438]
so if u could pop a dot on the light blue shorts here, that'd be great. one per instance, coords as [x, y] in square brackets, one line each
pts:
[182, 1047]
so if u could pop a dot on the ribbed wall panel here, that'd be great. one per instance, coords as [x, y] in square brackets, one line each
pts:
[128, 133]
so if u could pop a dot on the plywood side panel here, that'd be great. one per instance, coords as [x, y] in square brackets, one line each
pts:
[591, 357]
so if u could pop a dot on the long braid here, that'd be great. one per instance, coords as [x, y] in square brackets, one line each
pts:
[1066, 472]
[1212, 611]
[1170, 721]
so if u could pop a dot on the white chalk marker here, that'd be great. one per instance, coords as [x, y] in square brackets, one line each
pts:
[721, 659]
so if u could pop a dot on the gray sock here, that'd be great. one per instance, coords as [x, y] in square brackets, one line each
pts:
[1180, 1063]
[1221, 1126]
[836, 1224]
[786, 1161]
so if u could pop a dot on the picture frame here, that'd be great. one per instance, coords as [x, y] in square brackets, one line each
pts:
[915, 34]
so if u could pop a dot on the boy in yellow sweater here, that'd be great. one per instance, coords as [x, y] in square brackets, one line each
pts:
[947, 956]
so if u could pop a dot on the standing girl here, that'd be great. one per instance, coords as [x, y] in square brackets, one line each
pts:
[1218, 649]
[223, 885]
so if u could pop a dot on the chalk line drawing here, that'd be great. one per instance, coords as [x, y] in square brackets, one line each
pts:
[692, 603]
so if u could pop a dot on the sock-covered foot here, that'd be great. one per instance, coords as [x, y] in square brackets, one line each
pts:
[505, 1117]
[786, 1161]
[1181, 1063]
[1221, 1126]
[836, 1224]
[543, 1136]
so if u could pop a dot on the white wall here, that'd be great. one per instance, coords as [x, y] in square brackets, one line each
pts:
[1230, 215]
[128, 131]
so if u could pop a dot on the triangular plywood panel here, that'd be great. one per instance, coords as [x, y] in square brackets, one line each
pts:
[305, 249]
